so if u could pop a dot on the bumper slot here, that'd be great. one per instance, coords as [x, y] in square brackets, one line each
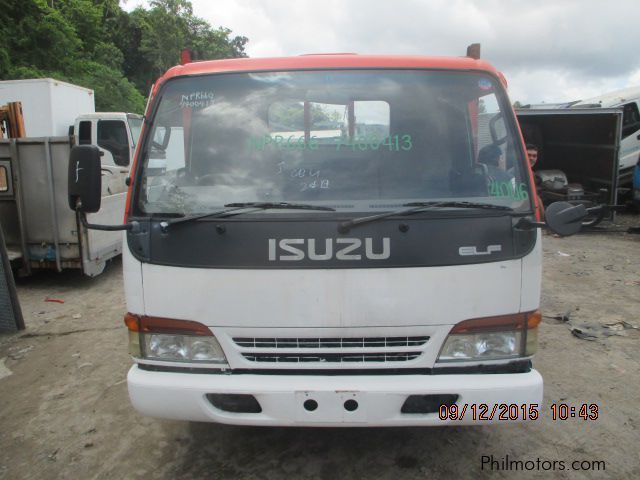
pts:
[427, 403]
[234, 403]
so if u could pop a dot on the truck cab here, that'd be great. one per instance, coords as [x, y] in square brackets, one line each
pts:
[115, 134]
[329, 240]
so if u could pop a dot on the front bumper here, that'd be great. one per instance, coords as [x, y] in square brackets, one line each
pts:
[182, 396]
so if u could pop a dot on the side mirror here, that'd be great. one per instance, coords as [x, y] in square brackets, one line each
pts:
[564, 218]
[161, 138]
[84, 179]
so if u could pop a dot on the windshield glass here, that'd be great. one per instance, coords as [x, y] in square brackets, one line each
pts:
[135, 124]
[354, 140]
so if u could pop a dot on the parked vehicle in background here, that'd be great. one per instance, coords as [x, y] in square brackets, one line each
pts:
[115, 134]
[49, 106]
[629, 101]
[636, 185]
[52, 108]
[40, 231]
[578, 153]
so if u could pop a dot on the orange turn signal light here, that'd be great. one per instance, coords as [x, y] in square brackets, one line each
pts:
[516, 321]
[132, 322]
[146, 324]
[533, 319]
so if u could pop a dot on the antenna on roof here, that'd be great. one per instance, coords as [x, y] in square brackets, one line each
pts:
[473, 51]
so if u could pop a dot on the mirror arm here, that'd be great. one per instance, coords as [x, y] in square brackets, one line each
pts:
[526, 224]
[133, 227]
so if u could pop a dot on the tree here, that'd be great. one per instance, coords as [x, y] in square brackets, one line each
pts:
[96, 44]
[160, 33]
[113, 92]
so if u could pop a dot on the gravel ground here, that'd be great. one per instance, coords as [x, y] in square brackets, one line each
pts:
[65, 413]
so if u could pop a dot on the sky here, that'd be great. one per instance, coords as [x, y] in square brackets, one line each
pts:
[549, 51]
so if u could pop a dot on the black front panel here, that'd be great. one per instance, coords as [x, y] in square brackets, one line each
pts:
[288, 243]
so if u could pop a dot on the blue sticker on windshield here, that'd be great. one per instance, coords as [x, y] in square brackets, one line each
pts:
[484, 84]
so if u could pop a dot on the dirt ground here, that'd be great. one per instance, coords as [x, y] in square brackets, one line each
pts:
[65, 413]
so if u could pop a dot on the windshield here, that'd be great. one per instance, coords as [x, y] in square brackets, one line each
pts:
[135, 124]
[353, 140]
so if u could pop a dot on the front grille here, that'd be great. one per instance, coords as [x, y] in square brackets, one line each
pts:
[331, 350]
[337, 343]
[331, 357]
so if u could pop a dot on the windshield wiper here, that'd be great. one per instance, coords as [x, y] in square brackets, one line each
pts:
[417, 207]
[282, 205]
[235, 209]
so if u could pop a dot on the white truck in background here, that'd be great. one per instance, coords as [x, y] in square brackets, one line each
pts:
[40, 231]
[52, 108]
[114, 133]
[49, 106]
[629, 101]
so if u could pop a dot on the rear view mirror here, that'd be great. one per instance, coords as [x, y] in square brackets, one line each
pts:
[161, 138]
[498, 129]
[84, 179]
[564, 218]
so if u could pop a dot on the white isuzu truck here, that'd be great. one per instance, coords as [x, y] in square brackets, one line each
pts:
[330, 240]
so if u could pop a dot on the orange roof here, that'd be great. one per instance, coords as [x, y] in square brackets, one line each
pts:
[327, 61]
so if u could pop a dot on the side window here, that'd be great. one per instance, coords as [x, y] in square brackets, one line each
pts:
[84, 133]
[372, 119]
[329, 122]
[286, 121]
[630, 119]
[112, 136]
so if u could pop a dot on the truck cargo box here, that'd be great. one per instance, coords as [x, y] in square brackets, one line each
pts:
[49, 106]
[583, 143]
[41, 231]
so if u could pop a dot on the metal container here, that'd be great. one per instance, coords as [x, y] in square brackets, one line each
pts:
[40, 229]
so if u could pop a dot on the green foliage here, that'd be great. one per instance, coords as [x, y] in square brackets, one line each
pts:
[5, 62]
[96, 44]
[113, 92]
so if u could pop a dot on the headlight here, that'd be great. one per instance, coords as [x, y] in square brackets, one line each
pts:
[486, 346]
[172, 340]
[182, 348]
[493, 338]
